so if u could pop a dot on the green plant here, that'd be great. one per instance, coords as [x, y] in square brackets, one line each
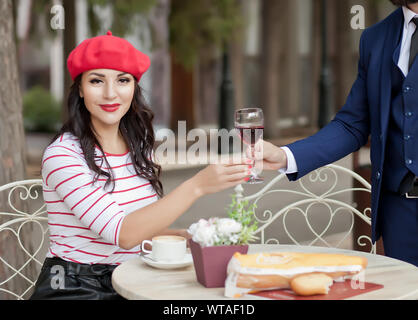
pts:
[244, 213]
[41, 112]
[196, 25]
[238, 229]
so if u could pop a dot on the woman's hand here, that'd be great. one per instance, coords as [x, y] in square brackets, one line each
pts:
[218, 177]
[267, 156]
[156, 217]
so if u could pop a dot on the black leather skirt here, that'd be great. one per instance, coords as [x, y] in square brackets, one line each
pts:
[63, 280]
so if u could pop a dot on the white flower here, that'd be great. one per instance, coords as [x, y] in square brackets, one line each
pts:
[226, 227]
[202, 223]
[215, 231]
[234, 238]
[205, 235]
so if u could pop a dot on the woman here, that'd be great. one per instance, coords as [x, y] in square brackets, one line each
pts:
[101, 184]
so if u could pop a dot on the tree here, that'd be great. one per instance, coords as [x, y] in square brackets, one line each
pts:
[12, 136]
[270, 63]
[69, 44]
[42, 8]
[124, 13]
[161, 93]
[199, 30]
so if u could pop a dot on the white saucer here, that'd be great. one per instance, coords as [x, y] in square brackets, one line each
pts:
[188, 260]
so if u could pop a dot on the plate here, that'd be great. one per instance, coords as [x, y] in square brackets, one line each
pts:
[188, 260]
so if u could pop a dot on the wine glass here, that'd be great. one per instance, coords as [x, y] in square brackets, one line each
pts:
[250, 126]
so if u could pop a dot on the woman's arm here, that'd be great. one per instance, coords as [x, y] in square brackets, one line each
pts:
[68, 181]
[146, 222]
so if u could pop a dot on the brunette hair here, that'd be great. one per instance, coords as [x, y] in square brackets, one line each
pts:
[135, 127]
[400, 3]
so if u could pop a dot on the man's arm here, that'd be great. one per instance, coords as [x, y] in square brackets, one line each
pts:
[346, 133]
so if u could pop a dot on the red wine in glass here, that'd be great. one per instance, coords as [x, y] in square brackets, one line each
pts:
[250, 126]
[250, 135]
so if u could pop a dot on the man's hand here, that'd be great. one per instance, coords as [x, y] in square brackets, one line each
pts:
[267, 155]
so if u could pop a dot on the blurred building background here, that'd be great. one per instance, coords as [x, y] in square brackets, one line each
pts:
[274, 47]
[295, 59]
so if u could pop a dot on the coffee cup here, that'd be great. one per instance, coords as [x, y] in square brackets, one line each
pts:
[166, 248]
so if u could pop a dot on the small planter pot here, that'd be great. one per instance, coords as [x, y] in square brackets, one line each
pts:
[211, 263]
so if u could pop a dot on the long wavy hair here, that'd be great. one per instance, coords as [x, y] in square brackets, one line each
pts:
[135, 127]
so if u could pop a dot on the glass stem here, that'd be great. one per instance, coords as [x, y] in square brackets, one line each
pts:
[253, 173]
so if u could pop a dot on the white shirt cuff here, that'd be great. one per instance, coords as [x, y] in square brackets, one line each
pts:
[291, 162]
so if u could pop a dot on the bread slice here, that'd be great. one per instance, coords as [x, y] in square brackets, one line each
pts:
[311, 284]
[310, 273]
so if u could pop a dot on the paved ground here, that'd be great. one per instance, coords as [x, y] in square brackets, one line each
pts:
[216, 204]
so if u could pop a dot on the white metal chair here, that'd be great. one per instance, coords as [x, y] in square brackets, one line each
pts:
[317, 206]
[25, 230]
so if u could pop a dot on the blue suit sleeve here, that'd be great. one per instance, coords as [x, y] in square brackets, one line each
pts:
[346, 133]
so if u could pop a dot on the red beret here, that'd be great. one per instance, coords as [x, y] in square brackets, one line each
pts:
[107, 52]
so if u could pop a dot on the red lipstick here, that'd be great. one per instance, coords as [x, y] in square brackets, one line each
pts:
[110, 107]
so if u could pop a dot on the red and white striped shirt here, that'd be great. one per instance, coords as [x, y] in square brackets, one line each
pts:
[84, 218]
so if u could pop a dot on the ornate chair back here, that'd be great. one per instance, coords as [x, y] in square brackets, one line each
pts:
[316, 210]
[23, 237]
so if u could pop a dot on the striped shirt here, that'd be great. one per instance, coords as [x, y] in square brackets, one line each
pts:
[84, 218]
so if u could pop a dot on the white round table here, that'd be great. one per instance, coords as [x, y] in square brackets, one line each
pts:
[135, 280]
